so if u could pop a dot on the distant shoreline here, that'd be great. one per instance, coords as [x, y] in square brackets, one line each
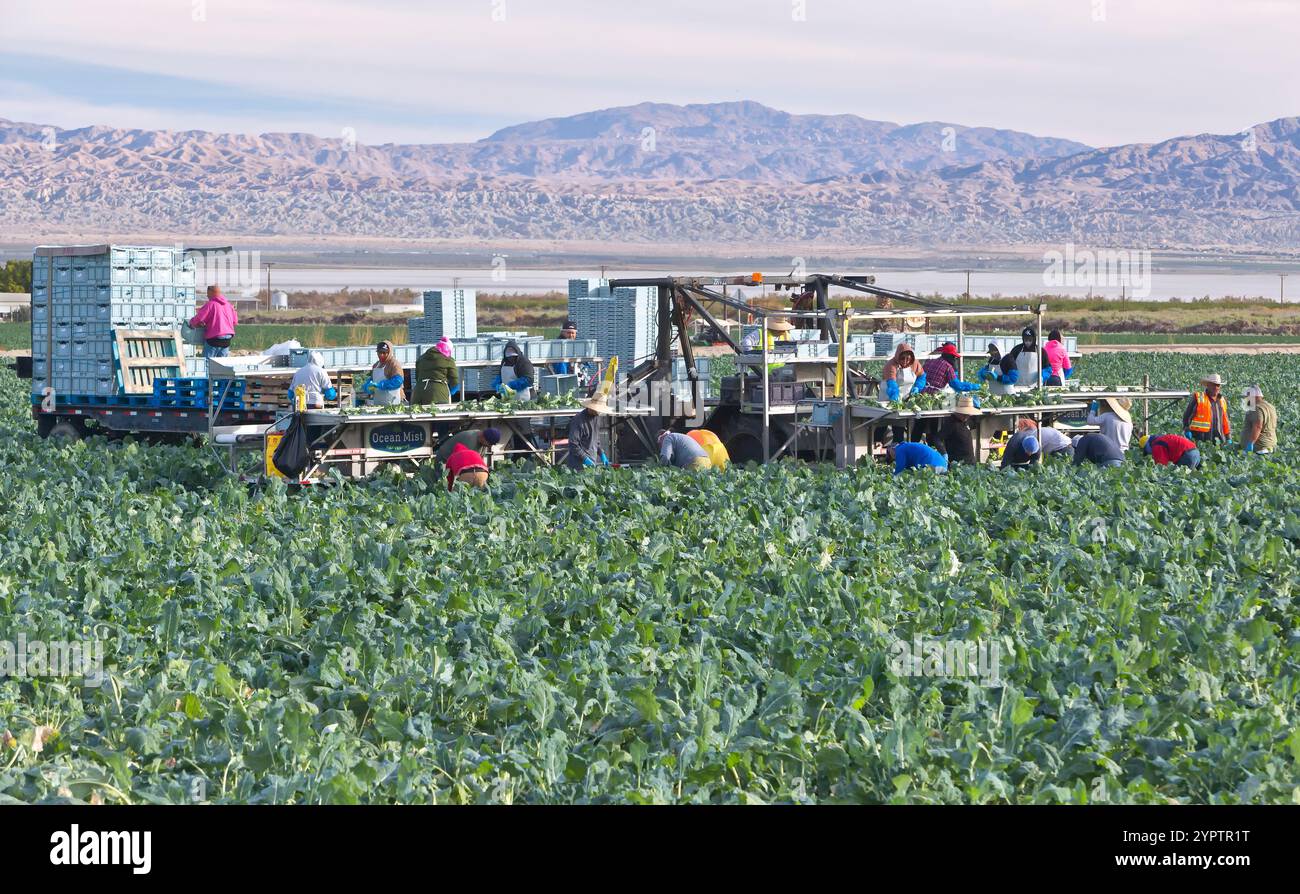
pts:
[329, 251]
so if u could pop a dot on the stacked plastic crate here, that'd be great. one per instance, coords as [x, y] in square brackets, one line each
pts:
[623, 321]
[449, 312]
[81, 294]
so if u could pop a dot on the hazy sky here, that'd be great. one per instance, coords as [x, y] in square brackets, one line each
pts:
[1099, 71]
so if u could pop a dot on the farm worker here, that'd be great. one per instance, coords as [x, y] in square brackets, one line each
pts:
[805, 300]
[516, 377]
[955, 436]
[584, 435]
[712, 445]
[992, 367]
[1057, 360]
[941, 371]
[467, 467]
[1022, 448]
[1114, 419]
[1054, 441]
[564, 367]
[386, 376]
[1259, 433]
[681, 451]
[481, 440]
[1206, 416]
[777, 330]
[315, 381]
[911, 455]
[437, 380]
[1098, 449]
[1026, 362]
[1175, 449]
[903, 374]
[218, 319]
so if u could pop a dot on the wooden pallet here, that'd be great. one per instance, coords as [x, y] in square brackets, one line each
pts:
[147, 354]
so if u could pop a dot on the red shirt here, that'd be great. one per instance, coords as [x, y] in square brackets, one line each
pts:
[1168, 449]
[463, 459]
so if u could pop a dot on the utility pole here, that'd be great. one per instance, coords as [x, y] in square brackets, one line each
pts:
[1281, 288]
[968, 287]
[269, 264]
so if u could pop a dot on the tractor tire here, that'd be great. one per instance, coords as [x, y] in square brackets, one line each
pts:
[65, 432]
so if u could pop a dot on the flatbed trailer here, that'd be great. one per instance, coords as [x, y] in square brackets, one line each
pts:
[116, 416]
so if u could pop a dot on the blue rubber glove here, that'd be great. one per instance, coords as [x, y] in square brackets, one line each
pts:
[920, 384]
[1047, 374]
[496, 383]
[371, 386]
[1250, 446]
[331, 393]
[976, 401]
[1010, 378]
[604, 460]
[1069, 372]
[891, 389]
[504, 391]
[958, 385]
[1093, 407]
[985, 373]
[392, 383]
[587, 461]
[455, 390]
[521, 383]
[1188, 435]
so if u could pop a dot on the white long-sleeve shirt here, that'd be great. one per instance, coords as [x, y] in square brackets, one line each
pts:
[1113, 427]
[315, 380]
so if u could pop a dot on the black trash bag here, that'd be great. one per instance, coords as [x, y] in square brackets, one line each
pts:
[293, 454]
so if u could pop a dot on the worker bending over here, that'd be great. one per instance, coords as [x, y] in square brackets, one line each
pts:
[1023, 447]
[475, 439]
[1113, 418]
[315, 381]
[712, 445]
[682, 451]
[465, 466]
[1206, 416]
[1171, 450]
[911, 455]
[1098, 449]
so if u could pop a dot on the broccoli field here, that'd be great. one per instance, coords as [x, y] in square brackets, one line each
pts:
[650, 636]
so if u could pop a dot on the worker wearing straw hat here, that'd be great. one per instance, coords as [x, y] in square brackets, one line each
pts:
[777, 330]
[1112, 416]
[584, 435]
[1206, 416]
[955, 437]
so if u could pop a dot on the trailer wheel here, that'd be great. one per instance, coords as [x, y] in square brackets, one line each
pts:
[63, 433]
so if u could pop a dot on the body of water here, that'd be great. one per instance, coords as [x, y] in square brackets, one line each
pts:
[1157, 285]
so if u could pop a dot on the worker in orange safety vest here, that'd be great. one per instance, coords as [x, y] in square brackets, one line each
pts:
[1206, 416]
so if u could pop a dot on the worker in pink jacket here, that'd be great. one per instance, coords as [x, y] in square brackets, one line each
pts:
[218, 319]
[1058, 360]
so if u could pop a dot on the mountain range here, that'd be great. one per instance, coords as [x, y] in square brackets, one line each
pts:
[717, 174]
